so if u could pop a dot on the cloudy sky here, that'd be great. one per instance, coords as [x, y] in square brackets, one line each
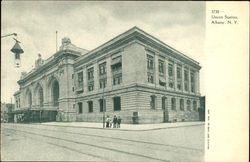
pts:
[89, 24]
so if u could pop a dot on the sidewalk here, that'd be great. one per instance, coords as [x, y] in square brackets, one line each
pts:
[127, 127]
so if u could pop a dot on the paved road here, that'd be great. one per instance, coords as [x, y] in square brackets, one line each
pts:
[42, 142]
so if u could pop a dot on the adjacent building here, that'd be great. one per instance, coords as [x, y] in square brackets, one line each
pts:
[134, 76]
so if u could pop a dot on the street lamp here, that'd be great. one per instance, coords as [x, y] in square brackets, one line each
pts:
[16, 49]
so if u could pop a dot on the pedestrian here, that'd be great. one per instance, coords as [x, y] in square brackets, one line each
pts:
[110, 122]
[119, 120]
[115, 122]
[107, 121]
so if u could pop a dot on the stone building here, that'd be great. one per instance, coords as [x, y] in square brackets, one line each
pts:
[134, 76]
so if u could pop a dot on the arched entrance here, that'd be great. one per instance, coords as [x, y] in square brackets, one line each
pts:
[39, 96]
[55, 93]
[29, 99]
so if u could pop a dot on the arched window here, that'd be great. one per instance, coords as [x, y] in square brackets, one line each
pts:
[40, 96]
[29, 99]
[55, 93]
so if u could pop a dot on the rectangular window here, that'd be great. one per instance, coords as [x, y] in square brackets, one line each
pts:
[194, 105]
[80, 79]
[173, 104]
[163, 103]
[150, 78]
[188, 105]
[178, 73]
[182, 104]
[102, 105]
[161, 67]
[91, 73]
[179, 86]
[80, 107]
[90, 105]
[91, 86]
[186, 86]
[150, 62]
[153, 102]
[171, 84]
[117, 103]
[102, 68]
[117, 79]
[192, 82]
[103, 83]
[186, 75]
[170, 70]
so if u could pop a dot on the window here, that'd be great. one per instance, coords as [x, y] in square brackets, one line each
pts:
[182, 104]
[170, 70]
[117, 103]
[163, 103]
[179, 86]
[186, 86]
[185, 75]
[72, 76]
[152, 102]
[80, 78]
[178, 73]
[90, 73]
[192, 82]
[90, 105]
[150, 78]
[150, 62]
[102, 105]
[117, 71]
[117, 79]
[80, 107]
[91, 86]
[188, 105]
[102, 68]
[171, 84]
[194, 105]
[173, 104]
[103, 83]
[161, 67]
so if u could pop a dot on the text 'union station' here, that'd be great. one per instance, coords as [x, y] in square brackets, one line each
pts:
[132, 75]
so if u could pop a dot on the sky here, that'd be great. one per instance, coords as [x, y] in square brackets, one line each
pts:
[90, 24]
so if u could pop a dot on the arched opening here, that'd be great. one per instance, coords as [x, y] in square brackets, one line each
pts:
[40, 96]
[55, 93]
[29, 98]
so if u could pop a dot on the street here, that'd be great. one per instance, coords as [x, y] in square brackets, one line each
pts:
[35, 142]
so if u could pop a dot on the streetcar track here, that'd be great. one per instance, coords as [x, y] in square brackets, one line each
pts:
[92, 145]
[121, 139]
[71, 149]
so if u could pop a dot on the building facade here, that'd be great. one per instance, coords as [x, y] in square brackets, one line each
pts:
[134, 76]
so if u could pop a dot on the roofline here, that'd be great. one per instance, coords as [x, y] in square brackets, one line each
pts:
[130, 31]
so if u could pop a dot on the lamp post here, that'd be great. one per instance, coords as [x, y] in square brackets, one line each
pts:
[103, 108]
[16, 49]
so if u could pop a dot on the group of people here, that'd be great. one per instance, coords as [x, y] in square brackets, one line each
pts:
[115, 122]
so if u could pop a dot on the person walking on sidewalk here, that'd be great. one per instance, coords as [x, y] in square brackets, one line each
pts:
[107, 121]
[119, 120]
[115, 122]
[110, 122]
